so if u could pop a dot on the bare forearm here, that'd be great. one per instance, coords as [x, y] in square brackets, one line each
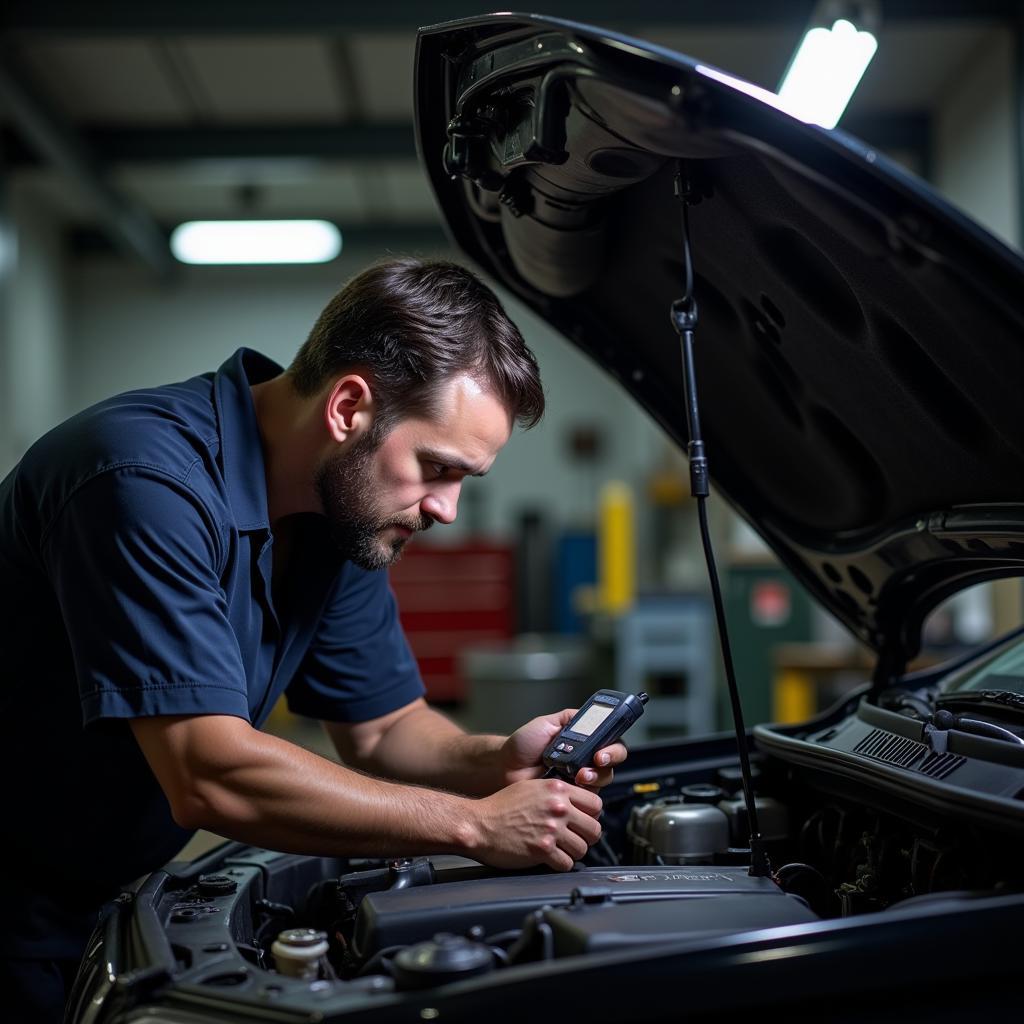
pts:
[270, 792]
[219, 773]
[427, 748]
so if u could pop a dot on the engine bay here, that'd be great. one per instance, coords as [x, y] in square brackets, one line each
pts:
[670, 877]
[672, 869]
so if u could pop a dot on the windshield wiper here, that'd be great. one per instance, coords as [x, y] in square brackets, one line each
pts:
[1004, 700]
[945, 720]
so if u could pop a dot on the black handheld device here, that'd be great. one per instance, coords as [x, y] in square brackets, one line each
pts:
[599, 722]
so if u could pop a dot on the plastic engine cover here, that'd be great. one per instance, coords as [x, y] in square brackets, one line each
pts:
[400, 917]
[591, 926]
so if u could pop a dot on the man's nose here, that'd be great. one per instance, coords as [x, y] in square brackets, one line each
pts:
[442, 504]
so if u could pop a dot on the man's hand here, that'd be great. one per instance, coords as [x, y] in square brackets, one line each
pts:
[221, 774]
[521, 753]
[544, 821]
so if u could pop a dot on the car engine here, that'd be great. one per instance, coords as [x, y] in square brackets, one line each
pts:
[670, 872]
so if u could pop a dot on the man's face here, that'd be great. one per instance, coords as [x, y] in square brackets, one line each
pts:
[376, 496]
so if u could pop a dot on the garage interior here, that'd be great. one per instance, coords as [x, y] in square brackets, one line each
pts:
[576, 562]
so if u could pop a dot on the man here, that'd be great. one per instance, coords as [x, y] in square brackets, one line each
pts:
[173, 560]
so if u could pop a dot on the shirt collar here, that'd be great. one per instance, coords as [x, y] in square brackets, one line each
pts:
[240, 444]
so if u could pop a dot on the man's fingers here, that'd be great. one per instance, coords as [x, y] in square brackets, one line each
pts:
[604, 760]
[594, 780]
[566, 716]
[559, 860]
[588, 802]
[574, 845]
[586, 827]
[608, 757]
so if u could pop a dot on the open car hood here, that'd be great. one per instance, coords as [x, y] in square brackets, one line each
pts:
[859, 346]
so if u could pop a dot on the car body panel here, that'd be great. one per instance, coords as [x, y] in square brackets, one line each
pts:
[859, 344]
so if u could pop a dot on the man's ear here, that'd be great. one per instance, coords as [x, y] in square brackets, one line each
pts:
[349, 409]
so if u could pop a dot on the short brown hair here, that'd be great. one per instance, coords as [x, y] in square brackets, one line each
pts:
[412, 322]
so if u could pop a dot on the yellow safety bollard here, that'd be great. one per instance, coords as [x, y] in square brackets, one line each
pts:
[616, 549]
[793, 697]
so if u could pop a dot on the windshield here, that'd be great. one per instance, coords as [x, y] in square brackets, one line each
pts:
[1004, 672]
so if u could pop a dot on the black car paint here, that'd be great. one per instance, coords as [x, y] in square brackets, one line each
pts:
[871, 434]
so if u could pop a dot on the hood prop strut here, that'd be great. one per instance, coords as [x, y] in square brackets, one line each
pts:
[891, 664]
[684, 320]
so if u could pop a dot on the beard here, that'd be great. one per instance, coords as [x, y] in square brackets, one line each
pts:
[358, 526]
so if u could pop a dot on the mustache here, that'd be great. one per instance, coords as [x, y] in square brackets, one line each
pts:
[417, 525]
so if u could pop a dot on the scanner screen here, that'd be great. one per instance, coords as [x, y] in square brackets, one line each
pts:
[591, 719]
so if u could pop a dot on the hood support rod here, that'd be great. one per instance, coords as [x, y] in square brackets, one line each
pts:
[684, 320]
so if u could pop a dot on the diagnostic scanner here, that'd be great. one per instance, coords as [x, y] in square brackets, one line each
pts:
[599, 723]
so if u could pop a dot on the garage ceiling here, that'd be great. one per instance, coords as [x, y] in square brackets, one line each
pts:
[183, 109]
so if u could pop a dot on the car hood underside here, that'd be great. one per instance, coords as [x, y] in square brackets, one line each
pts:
[858, 347]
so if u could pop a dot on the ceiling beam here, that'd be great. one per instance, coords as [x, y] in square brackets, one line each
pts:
[146, 144]
[104, 17]
[366, 141]
[56, 142]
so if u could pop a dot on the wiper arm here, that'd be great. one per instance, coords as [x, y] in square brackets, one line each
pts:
[945, 720]
[1005, 700]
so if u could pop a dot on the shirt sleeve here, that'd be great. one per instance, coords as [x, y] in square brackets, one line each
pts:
[133, 559]
[359, 665]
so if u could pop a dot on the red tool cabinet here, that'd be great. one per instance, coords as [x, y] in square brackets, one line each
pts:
[449, 598]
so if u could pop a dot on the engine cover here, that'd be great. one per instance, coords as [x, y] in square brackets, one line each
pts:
[400, 917]
[589, 926]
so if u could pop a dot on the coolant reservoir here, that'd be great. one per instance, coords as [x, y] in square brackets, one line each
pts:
[772, 819]
[638, 830]
[687, 833]
[688, 828]
[297, 952]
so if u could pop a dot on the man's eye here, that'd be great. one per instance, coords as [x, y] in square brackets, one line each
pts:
[438, 469]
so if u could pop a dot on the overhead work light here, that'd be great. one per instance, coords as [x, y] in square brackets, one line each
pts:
[826, 68]
[829, 63]
[255, 241]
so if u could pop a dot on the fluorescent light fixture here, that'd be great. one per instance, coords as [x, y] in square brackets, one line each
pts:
[825, 72]
[742, 85]
[255, 241]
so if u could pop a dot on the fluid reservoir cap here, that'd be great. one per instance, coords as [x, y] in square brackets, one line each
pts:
[302, 937]
[703, 793]
[441, 959]
[297, 952]
[216, 885]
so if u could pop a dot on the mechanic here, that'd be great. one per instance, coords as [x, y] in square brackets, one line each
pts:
[174, 559]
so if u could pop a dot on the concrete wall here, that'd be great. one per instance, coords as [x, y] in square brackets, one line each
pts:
[975, 159]
[976, 163]
[33, 372]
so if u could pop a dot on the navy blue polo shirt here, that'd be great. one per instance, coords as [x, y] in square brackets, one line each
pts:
[135, 579]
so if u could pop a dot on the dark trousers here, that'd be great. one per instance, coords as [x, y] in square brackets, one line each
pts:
[34, 991]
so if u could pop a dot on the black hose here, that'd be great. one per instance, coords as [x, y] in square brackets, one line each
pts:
[378, 960]
[918, 704]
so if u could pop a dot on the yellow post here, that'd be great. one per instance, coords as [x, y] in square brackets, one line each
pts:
[616, 549]
[793, 697]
